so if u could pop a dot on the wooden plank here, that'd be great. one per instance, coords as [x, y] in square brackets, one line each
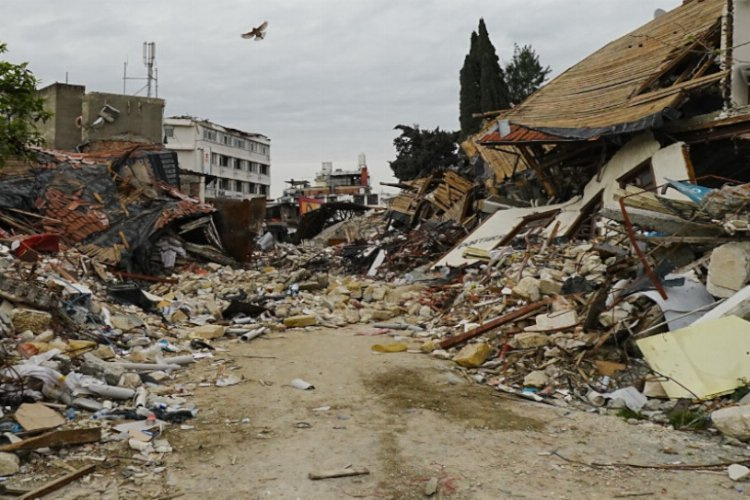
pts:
[57, 439]
[56, 484]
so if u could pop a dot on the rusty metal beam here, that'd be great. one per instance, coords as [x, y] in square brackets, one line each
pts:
[491, 325]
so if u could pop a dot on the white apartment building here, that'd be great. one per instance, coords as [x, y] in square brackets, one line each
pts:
[228, 163]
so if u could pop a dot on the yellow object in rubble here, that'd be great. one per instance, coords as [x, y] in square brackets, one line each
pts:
[393, 347]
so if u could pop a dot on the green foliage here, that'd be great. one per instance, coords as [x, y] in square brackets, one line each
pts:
[486, 86]
[470, 95]
[689, 419]
[627, 414]
[20, 107]
[524, 74]
[492, 87]
[483, 86]
[419, 152]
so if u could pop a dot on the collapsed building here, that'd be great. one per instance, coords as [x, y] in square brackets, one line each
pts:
[667, 102]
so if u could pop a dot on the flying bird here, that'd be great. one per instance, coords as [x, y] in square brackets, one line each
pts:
[258, 33]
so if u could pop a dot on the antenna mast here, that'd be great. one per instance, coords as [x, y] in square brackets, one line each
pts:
[152, 73]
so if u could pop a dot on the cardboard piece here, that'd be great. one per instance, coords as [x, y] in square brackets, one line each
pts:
[708, 359]
[37, 416]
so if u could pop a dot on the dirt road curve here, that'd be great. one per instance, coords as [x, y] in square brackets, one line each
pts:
[411, 420]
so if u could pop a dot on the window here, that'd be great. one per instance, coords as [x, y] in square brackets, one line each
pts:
[223, 161]
[168, 131]
[253, 167]
[239, 143]
[224, 184]
[263, 189]
[641, 176]
[209, 135]
[263, 169]
[214, 159]
[226, 139]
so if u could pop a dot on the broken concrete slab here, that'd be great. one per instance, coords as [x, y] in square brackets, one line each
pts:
[9, 464]
[537, 379]
[300, 321]
[738, 472]
[733, 421]
[31, 319]
[473, 355]
[529, 340]
[528, 288]
[729, 269]
[554, 321]
[207, 332]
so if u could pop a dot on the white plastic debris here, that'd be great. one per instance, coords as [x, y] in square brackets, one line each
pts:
[298, 383]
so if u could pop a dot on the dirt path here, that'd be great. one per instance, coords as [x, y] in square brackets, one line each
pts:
[408, 418]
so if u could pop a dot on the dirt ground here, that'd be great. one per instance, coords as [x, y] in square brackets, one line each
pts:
[411, 420]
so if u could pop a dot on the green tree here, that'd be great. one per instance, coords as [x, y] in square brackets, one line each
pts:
[470, 96]
[524, 74]
[492, 87]
[482, 80]
[21, 108]
[419, 152]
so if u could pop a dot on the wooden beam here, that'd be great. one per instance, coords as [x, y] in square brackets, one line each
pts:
[56, 439]
[532, 162]
[56, 484]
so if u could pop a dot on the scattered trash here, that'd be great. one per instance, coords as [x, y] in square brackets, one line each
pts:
[227, 381]
[298, 383]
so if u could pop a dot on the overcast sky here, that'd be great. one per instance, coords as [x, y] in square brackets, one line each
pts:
[331, 79]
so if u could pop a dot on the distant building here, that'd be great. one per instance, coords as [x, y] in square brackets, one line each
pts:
[80, 117]
[225, 162]
[342, 185]
[337, 187]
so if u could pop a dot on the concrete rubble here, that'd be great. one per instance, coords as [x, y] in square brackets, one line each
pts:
[571, 270]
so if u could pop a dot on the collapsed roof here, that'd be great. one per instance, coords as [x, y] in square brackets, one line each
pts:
[634, 82]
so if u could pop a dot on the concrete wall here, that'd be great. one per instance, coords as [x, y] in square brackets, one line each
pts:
[140, 118]
[65, 102]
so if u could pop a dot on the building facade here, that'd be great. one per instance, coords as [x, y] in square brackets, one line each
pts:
[225, 162]
[80, 117]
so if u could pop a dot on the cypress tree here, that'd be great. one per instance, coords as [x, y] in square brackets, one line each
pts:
[492, 86]
[470, 95]
[483, 86]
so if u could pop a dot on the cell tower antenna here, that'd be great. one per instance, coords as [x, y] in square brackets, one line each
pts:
[152, 78]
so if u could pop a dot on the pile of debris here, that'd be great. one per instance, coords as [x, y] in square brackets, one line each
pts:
[118, 206]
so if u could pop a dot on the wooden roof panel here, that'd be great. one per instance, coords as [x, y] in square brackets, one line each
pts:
[602, 90]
